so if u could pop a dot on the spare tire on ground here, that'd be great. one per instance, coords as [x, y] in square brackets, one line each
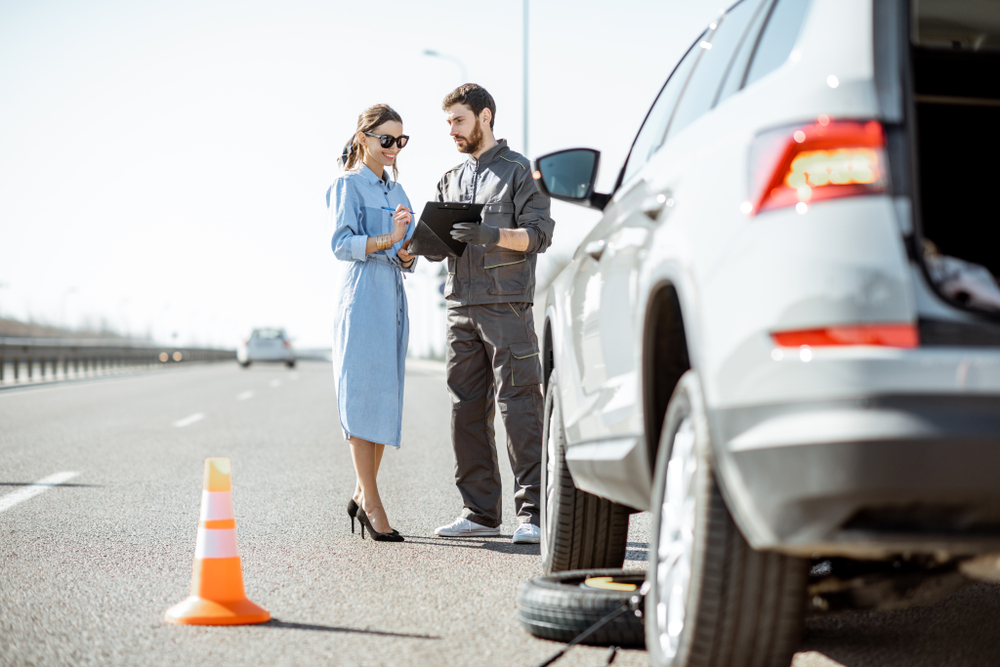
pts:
[560, 606]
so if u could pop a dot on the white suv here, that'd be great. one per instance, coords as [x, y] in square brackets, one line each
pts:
[783, 337]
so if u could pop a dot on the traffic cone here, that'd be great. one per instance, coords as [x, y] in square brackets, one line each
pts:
[217, 595]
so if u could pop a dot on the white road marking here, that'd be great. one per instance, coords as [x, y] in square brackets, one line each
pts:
[293, 376]
[190, 419]
[33, 489]
[813, 659]
[275, 383]
[245, 395]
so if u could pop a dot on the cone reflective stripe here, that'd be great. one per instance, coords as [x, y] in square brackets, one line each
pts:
[216, 544]
[217, 594]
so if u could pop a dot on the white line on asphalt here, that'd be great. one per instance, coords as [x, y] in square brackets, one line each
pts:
[813, 659]
[275, 383]
[245, 395]
[33, 489]
[190, 419]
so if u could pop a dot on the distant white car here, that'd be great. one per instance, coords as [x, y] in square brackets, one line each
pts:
[269, 345]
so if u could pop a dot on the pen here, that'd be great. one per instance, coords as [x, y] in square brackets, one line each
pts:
[386, 208]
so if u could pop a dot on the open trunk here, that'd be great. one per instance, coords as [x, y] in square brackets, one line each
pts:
[955, 66]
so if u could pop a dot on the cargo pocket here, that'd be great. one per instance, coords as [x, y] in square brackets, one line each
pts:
[525, 365]
[500, 214]
[508, 272]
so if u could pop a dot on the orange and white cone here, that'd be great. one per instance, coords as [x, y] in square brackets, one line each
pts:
[217, 595]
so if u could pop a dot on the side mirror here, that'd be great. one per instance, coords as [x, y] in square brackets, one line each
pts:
[569, 175]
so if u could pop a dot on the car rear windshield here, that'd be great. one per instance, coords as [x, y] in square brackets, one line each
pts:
[268, 333]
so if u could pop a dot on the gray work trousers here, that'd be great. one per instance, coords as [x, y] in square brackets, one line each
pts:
[492, 355]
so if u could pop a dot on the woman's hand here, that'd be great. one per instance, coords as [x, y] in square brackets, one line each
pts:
[401, 220]
[404, 256]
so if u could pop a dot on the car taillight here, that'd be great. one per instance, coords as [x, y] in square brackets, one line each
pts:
[794, 166]
[288, 345]
[889, 335]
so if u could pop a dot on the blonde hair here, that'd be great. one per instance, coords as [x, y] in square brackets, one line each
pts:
[369, 119]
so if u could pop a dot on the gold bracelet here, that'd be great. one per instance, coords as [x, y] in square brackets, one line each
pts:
[382, 242]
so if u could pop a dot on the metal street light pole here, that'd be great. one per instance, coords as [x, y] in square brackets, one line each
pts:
[437, 54]
[71, 290]
[524, 96]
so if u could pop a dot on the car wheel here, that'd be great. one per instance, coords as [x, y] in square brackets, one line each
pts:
[290, 364]
[245, 364]
[579, 530]
[561, 606]
[713, 600]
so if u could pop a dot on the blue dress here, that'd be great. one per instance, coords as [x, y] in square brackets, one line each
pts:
[371, 327]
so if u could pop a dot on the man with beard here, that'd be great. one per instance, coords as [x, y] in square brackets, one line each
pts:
[492, 350]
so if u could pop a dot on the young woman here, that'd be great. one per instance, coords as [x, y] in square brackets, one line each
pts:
[372, 230]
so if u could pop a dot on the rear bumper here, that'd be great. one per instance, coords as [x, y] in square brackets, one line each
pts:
[270, 355]
[868, 477]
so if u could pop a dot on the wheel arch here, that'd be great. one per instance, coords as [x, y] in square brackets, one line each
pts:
[665, 359]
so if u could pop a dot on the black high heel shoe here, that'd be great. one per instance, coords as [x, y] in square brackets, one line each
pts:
[352, 511]
[379, 537]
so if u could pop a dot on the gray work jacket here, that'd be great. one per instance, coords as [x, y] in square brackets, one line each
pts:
[500, 179]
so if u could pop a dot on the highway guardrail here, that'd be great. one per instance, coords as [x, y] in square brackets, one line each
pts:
[30, 360]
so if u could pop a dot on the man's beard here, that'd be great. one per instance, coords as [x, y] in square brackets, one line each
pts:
[473, 142]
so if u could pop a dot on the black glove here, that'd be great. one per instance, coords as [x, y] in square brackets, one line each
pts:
[475, 233]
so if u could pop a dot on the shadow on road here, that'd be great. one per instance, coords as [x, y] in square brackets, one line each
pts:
[960, 630]
[275, 623]
[638, 551]
[478, 543]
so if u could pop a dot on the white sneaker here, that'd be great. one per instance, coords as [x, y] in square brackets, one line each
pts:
[527, 533]
[464, 528]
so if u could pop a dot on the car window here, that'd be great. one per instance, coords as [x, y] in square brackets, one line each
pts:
[718, 48]
[650, 137]
[738, 66]
[776, 42]
[269, 334]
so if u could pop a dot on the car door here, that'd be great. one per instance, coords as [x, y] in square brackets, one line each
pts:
[593, 305]
[606, 289]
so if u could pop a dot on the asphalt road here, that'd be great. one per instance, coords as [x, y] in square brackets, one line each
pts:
[88, 567]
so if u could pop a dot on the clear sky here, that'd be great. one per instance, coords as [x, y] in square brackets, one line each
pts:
[163, 165]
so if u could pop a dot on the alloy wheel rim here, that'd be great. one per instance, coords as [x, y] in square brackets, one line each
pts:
[550, 469]
[676, 544]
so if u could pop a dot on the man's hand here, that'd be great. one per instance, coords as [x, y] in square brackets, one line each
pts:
[475, 233]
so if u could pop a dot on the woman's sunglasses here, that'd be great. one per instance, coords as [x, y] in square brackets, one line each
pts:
[387, 140]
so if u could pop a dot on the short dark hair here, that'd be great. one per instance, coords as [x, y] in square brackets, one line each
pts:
[473, 96]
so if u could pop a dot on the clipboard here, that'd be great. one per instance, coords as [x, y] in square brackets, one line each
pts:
[432, 236]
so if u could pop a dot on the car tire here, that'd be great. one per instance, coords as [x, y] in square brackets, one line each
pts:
[579, 530]
[712, 600]
[245, 364]
[561, 606]
[290, 364]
